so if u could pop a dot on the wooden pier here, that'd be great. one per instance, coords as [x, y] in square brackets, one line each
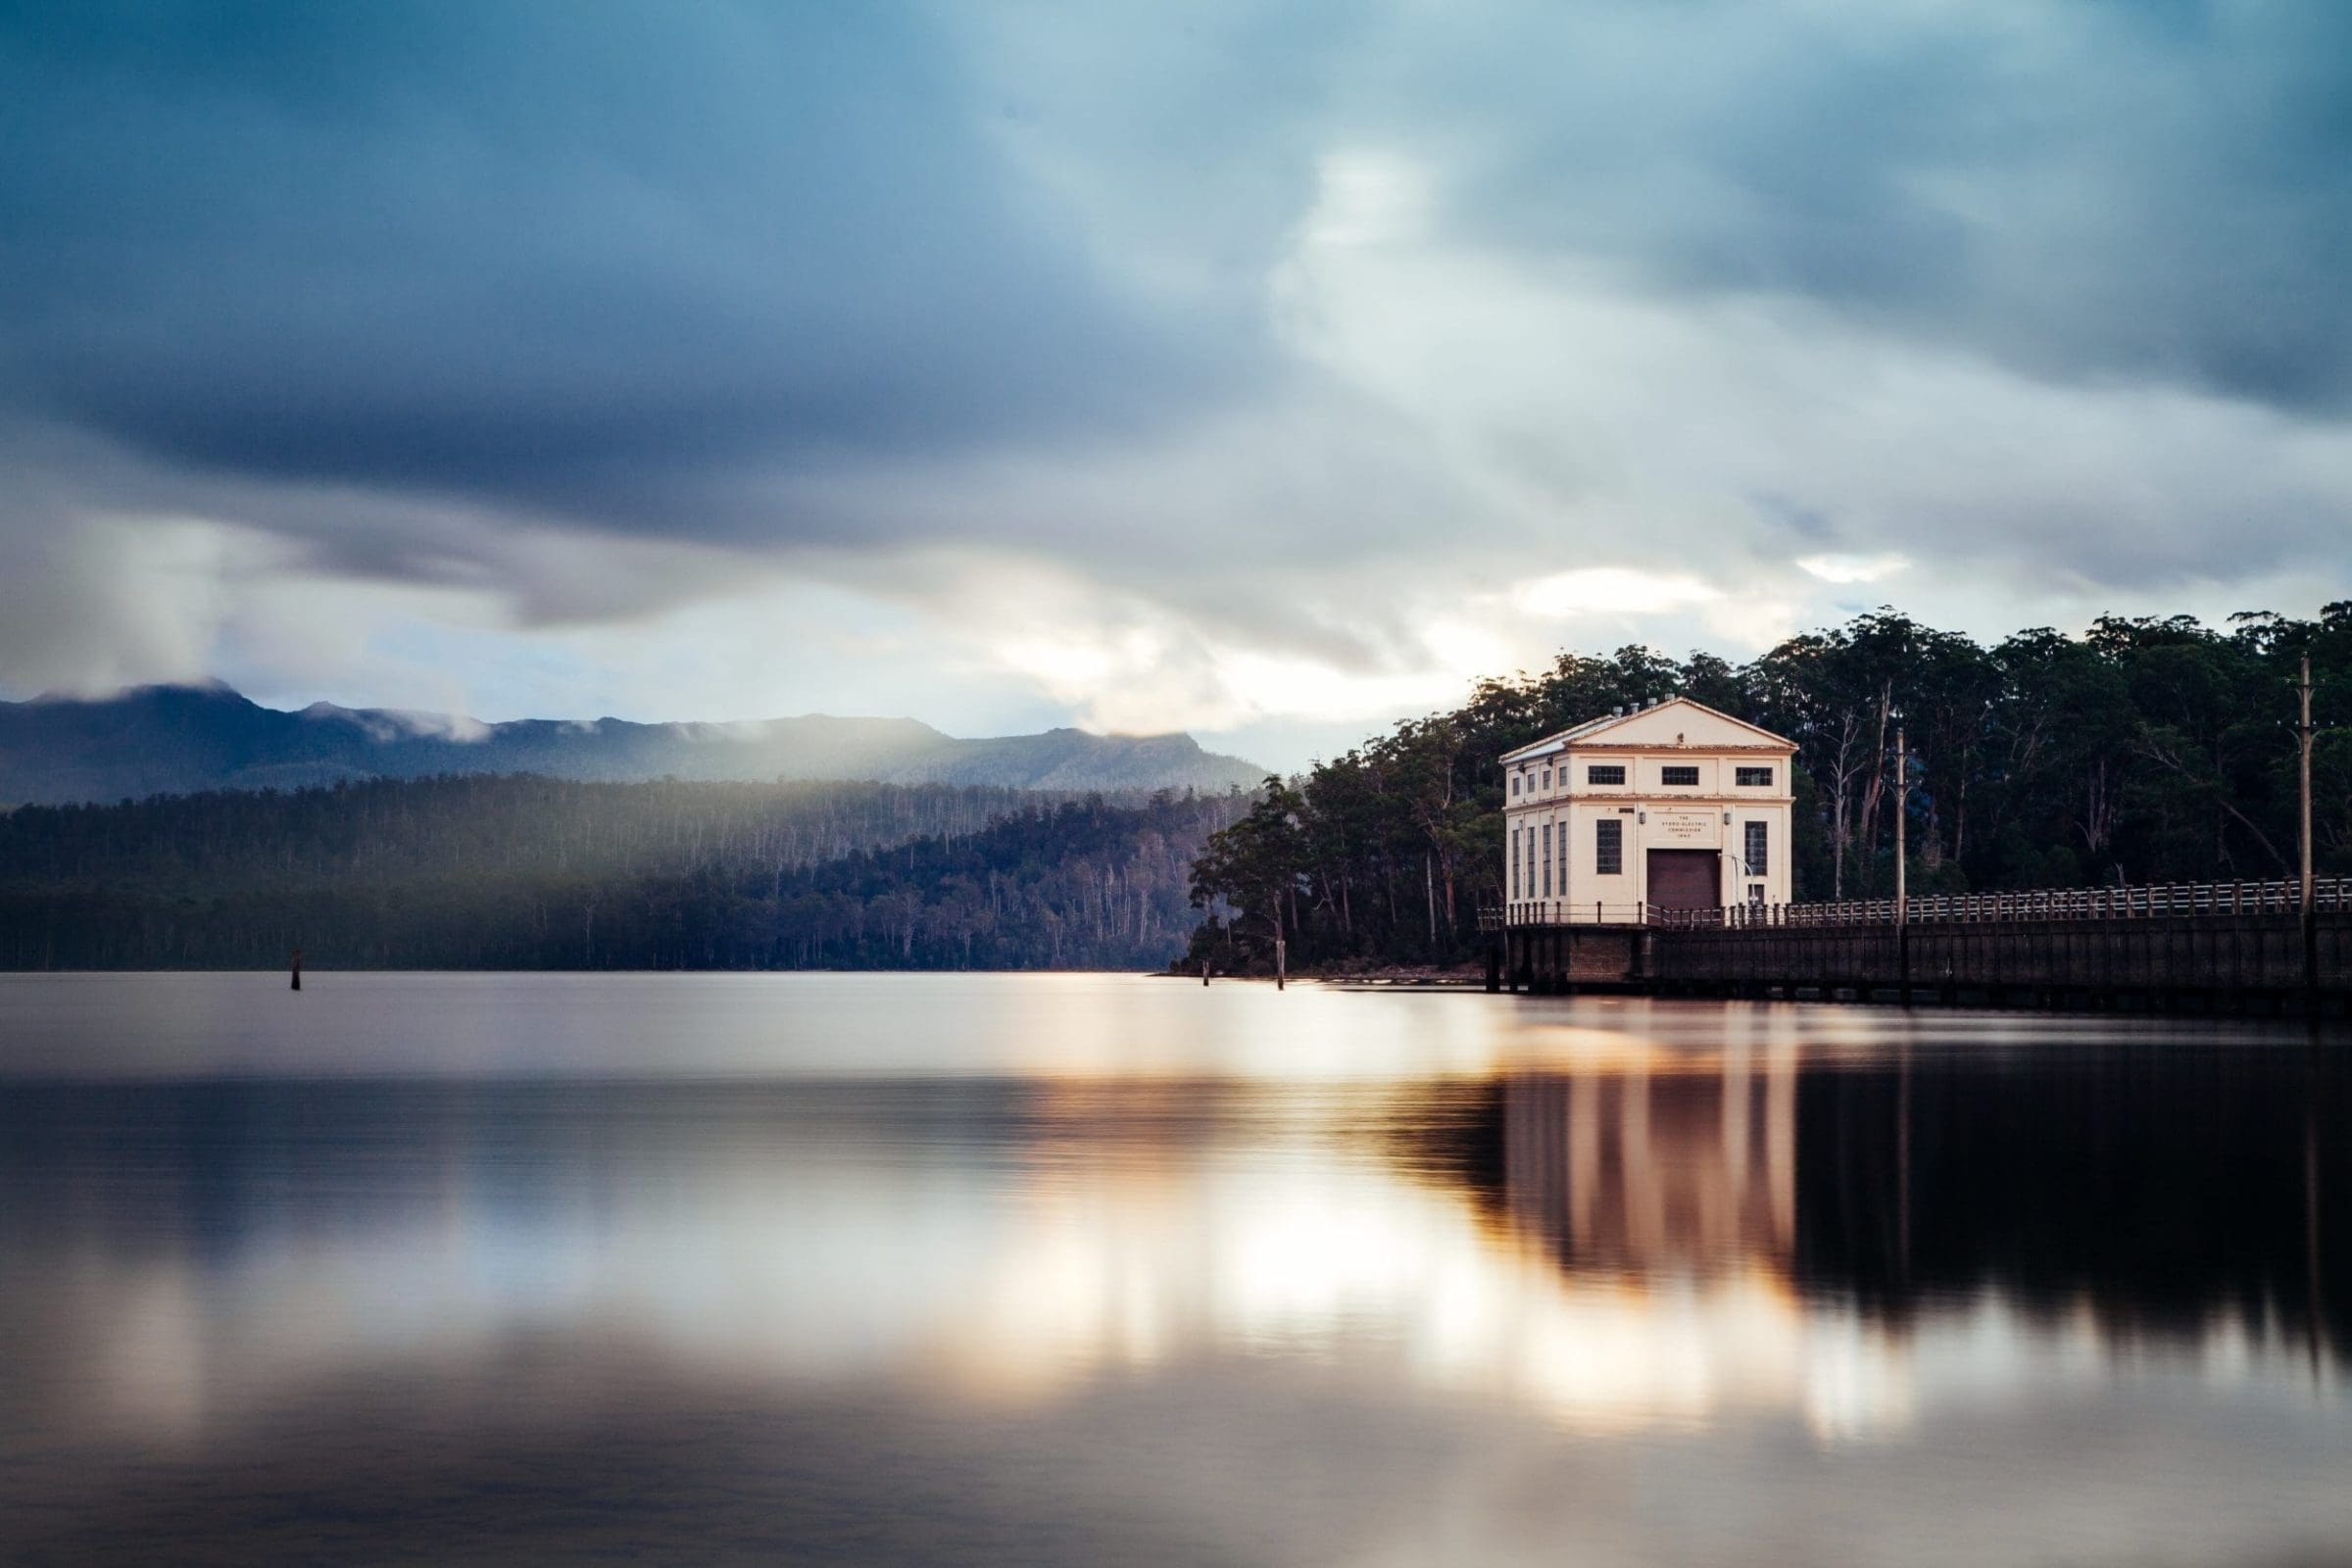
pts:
[2244, 946]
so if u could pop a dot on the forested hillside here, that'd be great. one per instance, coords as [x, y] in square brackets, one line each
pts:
[2149, 750]
[526, 872]
[390, 830]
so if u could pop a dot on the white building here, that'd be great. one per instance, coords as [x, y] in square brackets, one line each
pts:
[1673, 805]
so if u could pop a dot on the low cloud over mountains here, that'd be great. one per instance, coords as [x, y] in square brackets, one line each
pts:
[177, 739]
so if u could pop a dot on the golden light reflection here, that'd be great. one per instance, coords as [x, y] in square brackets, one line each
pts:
[1604, 1232]
[1641, 1277]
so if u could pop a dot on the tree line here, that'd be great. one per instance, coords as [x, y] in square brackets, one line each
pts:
[528, 872]
[2148, 750]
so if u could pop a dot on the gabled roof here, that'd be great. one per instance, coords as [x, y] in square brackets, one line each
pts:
[1641, 728]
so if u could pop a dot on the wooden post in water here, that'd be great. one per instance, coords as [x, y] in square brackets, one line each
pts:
[296, 964]
[1204, 971]
[1282, 962]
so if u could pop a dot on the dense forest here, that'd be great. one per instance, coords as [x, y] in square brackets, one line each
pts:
[2149, 750]
[529, 873]
[396, 830]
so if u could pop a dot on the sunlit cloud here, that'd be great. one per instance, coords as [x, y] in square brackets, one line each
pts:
[1843, 568]
[1625, 590]
[1367, 198]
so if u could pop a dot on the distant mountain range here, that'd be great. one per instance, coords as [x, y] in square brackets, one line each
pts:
[169, 740]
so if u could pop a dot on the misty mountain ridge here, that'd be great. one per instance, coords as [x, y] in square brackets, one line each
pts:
[173, 740]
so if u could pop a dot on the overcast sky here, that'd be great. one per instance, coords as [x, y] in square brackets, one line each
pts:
[1264, 370]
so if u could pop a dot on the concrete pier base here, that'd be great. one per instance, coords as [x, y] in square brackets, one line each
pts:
[2266, 964]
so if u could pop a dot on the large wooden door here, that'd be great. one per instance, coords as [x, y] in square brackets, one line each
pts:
[1685, 879]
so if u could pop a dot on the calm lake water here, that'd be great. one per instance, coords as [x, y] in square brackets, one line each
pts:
[1109, 1270]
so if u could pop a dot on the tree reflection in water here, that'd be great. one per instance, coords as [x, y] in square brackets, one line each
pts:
[2167, 1191]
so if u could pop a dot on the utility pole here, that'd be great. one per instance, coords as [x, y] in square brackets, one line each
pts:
[1902, 930]
[1903, 795]
[2311, 920]
[2303, 733]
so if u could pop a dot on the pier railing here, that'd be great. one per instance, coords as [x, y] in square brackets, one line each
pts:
[1565, 911]
[2154, 900]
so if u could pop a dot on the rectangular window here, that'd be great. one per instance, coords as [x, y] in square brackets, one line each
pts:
[1605, 773]
[1547, 778]
[1548, 860]
[1608, 847]
[1759, 848]
[1753, 778]
[1515, 863]
[1514, 784]
[1677, 776]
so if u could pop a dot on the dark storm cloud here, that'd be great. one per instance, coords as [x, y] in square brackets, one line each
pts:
[643, 266]
[572, 258]
[579, 312]
[2101, 189]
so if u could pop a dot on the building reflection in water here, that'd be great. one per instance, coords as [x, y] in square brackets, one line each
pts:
[1648, 1172]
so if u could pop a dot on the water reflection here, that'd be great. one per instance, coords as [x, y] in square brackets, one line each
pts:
[1818, 1238]
[1020, 1316]
[2164, 1190]
[1652, 1173]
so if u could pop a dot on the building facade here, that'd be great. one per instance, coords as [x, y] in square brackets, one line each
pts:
[1673, 805]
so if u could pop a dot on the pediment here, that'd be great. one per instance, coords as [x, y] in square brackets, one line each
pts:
[1678, 724]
